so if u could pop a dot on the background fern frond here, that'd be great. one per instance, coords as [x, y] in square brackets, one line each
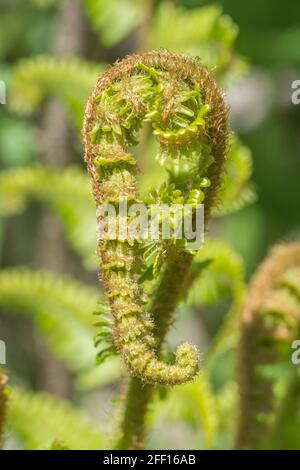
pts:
[68, 79]
[222, 278]
[195, 404]
[3, 404]
[112, 20]
[44, 3]
[58, 445]
[203, 32]
[38, 419]
[237, 189]
[61, 308]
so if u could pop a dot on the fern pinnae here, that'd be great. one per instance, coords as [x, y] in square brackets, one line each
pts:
[187, 113]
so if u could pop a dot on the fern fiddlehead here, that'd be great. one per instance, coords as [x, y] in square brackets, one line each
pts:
[270, 322]
[188, 116]
[3, 401]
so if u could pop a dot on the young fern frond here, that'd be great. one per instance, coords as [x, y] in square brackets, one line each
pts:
[269, 324]
[188, 116]
[3, 405]
[39, 419]
[66, 192]
[68, 79]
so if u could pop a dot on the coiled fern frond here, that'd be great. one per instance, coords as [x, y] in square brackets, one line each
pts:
[188, 117]
[269, 325]
[38, 419]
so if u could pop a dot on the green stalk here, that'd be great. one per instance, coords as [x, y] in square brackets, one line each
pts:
[188, 116]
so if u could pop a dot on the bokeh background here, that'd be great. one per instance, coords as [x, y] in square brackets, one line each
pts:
[257, 57]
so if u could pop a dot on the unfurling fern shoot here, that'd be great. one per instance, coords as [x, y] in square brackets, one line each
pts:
[186, 111]
[270, 323]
